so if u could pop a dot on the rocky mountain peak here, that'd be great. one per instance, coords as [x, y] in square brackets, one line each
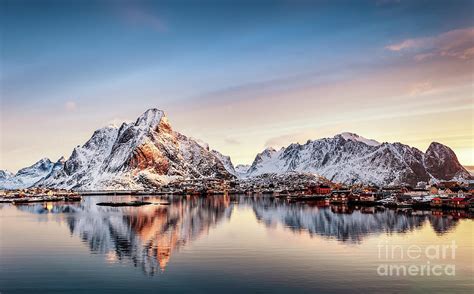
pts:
[4, 175]
[356, 138]
[268, 151]
[42, 164]
[150, 119]
[27, 176]
[439, 150]
[142, 154]
[242, 169]
[442, 163]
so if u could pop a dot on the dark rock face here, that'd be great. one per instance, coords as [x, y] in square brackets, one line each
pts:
[442, 163]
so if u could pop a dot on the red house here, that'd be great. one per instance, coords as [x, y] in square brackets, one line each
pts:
[367, 197]
[437, 202]
[354, 198]
[340, 196]
[458, 202]
[321, 189]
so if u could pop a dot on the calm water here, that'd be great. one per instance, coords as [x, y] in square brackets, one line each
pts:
[227, 244]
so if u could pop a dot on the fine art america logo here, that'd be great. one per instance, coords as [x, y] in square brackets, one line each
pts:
[415, 260]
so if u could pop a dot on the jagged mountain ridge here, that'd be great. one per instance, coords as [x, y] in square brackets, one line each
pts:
[241, 169]
[349, 158]
[145, 153]
[27, 176]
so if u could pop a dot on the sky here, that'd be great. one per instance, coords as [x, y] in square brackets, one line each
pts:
[239, 75]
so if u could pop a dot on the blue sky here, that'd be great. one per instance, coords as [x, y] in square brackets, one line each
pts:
[258, 65]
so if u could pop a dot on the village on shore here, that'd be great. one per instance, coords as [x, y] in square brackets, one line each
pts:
[32, 195]
[294, 187]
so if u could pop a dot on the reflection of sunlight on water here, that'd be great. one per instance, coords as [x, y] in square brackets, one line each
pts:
[49, 206]
[111, 257]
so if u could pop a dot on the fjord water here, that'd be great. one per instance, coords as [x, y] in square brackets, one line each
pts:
[223, 244]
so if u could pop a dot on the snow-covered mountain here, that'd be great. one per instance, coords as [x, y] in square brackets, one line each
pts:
[349, 158]
[27, 176]
[5, 175]
[148, 153]
[229, 166]
[145, 153]
[241, 169]
[356, 138]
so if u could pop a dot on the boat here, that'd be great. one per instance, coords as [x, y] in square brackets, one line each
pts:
[404, 204]
[73, 197]
[308, 197]
[162, 203]
[421, 204]
[120, 204]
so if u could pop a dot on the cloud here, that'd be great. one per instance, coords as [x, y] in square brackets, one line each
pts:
[420, 88]
[117, 121]
[408, 44]
[231, 141]
[455, 44]
[70, 106]
[287, 139]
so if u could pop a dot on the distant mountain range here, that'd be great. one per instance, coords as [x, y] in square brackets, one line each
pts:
[148, 153]
[349, 158]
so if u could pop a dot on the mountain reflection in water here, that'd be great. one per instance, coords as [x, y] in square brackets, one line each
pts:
[147, 236]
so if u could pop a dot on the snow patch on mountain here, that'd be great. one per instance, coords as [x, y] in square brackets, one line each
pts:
[26, 177]
[5, 175]
[242, 169]
[356, 138]
[201, 143]
[226, 161]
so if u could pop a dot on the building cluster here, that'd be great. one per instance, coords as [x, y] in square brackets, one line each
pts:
[36, 194]
[294, 187]
[309, 187]
[449, 195]
[294, 183]
[195, 187]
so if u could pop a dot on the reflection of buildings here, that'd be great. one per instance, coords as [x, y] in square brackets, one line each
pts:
[146, 236]
[342, 222]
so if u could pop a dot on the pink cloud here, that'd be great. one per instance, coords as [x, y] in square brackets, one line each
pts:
[456, 44]
[409, 44]
[420, 88]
